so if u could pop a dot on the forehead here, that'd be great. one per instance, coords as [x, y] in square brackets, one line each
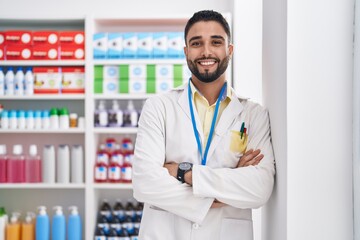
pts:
[206, 30]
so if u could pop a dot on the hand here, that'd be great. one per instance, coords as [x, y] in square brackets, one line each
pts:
[250, 158]
[217, 204]
[172, 168]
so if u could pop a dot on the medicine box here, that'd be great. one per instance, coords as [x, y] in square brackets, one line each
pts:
[2, 52]
[2, 38]
[72, 52]
[45, 52]
[145, 45]
[18, 37]
[73, 80]
[159, 45]
[111, 72]
[110, 86]
[164, 71]
[115, 45]
[46, 37]
[100, 45]
[164, 85]
[47, 80]
[175, 45]
[75, 38]
[137, 71]
[137, 85]
[129, 45]
[18, 52]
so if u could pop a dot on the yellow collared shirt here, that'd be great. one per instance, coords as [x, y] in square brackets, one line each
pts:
[206, 112]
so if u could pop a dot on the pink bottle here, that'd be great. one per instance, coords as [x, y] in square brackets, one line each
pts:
[116, 162]
[3, 164]
[33, 166]
[101, 165]
[16, 165]
[126, 168]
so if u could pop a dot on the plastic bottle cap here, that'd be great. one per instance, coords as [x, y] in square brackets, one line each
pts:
[73, 115]
[21, 114]
[115, 105]
[29, 69]
[4, 114]
[73, 210]
[37, 114]
[13, 114]
[45, 114]
[2, 211]
[64, 111]
[130, 105]
[53, 111]
[29, 114]
[14, 217]
[42, 210]
[17, 149]
[58, 210]
[33, 150]
[101, 105]
[2, 152]
[29, 217]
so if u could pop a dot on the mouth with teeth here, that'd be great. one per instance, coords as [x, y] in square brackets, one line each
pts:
[207, 63]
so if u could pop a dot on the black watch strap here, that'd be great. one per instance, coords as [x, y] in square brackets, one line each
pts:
[182, 169]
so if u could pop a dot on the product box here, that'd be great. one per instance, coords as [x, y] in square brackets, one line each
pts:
[18, 37]
[175, 45]
[100, 45]
[2, 38]
[137, 85]
[71, 52]
[110, 86]
[98, 72]
[73, 80]
[46, 37]
[186, 73]
[164, 85]
[47, 80]
[144, 45]
[45, 52]
[115, 45]
[179, 75]
[111, 72]
[159, 45]
[76, 38]
[2, 52]
[137, 71]
[18, 52]
[164, 71]
[98, 86]
[129, 45]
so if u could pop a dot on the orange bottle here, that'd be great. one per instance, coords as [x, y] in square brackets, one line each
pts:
[28, 227]
[13, 229]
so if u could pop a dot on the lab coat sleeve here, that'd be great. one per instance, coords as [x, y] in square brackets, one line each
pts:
[245, 187]
[152, 183]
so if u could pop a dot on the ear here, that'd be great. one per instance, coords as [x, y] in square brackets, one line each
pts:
[231, 49]
[186, 50]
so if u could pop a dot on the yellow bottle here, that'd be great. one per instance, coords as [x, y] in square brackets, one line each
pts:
[13, 228]
[28, 227]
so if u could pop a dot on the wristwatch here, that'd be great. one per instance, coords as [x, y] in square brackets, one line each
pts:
[182, 169]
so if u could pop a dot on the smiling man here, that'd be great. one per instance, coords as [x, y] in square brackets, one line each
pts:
[203, 156]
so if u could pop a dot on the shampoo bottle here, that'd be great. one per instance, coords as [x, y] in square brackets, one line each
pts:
[74, 224]
[58, 226]
[42, 227]
[33, 166]
[28, 227]
[13, 228]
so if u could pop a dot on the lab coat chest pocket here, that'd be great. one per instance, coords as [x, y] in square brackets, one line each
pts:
[236, 229]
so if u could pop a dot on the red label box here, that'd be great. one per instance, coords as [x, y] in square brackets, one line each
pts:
[18, 37]
[2, 52]
[45, 52]
[76, 38]
[18, 52]
[47, 80]
[73, 80]
[2, 38]
[72, 52]
[46, 37]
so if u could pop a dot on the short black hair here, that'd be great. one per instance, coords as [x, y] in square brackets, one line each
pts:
[207, 15]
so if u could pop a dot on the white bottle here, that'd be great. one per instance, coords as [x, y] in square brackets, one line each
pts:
[19, 82]
[63, 164]
[2, 82]
[48, 164]
[30, 123]
[3, 222]
[5, 119]
[9, 82]
[64, 119]
[101, 115]
[115, 115]
[54, 118]
[38, 119]
[29, 82]
[21, 119]
[45, 117]
[131, 115]
[77, 164]
[13, 124]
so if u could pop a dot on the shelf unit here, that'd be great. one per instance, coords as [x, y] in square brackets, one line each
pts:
[86, 196]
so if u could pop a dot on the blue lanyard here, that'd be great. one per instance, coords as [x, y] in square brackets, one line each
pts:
[196, 133]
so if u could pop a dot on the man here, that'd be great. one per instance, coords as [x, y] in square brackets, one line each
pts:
[194, 167]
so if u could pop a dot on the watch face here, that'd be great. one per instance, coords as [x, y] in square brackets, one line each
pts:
[185, 166]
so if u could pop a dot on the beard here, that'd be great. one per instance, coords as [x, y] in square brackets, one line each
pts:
[208, 77]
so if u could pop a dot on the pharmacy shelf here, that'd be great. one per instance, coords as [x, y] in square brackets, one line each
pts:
[120, 186]
[46, 97]
[42, 63]
[139, 61]
[122, 96]
[41, 186]
[45, 131]
[120, 130]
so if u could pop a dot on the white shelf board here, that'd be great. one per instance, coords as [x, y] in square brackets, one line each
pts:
[120, 130]
[45, 131]
[42, 186]
[139, 61]
[112, 186]
[122, 96]
[46, 97]
[42, 63]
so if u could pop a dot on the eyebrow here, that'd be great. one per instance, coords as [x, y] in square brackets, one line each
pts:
[199, 37]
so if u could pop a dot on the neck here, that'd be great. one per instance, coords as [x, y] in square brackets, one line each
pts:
[211, 90]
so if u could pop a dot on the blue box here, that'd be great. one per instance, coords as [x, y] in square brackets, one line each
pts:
[129, 45]
[100, 45]
[115, 45]
[176, 45]
[160, 45]
[145, 45]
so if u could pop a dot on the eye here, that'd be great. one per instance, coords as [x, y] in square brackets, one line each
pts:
[195, 44]
[217, 42]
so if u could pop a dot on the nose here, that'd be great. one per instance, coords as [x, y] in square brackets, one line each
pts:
[207, 51]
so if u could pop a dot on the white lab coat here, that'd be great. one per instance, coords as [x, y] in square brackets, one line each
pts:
[176, 211]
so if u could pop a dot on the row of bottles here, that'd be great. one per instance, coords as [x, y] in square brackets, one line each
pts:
[122, 221]
[114, 161]
[62, 167]
[38, 226]
[116, 117]
[40, 119]
[16, 83]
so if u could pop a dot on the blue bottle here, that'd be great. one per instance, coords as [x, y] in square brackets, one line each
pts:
[42, 229]
[74, 225]
[58, 227]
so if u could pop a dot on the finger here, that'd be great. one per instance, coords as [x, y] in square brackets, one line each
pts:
[255, 161]
[248, 152]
